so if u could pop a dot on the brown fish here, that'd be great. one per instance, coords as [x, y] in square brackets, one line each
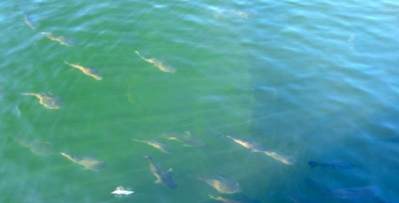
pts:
[158, 64]
[85, 70]
[45, 100]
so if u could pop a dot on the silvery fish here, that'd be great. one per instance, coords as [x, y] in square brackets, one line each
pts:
[85, 70]
[88, 164]
[256, 148]
[223, 185]
[28, 21]
[45, 100]
[121, 191]
[164, 177]
[186, 139]
[278, 157]
[60, 39]
[222, 199]
[153, 144]
[158, 64]
[247, 145]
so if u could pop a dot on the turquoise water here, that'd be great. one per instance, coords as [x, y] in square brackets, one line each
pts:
[313, 82]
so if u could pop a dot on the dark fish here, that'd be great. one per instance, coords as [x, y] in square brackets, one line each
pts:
[164, 177]
[363, 194]
[359, 194]
[331, 164]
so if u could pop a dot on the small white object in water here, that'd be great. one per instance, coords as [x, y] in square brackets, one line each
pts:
[121, 191]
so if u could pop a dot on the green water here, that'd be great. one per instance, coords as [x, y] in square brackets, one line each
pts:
[308, 80]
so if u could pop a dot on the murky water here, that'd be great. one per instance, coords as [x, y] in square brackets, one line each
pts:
[234, 101]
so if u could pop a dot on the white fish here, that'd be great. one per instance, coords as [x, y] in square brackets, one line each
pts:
[60, 39]
[121, 191]
[85, 70]
[88, 164]
[158, 64]
[153, 144]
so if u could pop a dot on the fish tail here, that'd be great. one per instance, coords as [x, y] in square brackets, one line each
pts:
[67, 63]
[136, 140]
[212, 197]
[228, 136]
[28, 94]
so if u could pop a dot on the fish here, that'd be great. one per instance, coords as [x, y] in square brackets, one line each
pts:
[88, 164]
[164, 177]
[331, 165]
[222, 199]
[28, 21]
[45, 100]
[186, 139]
[361, 194]
[121, 191]
[37, 147]
[158, 64]
[60, 39]
[247, 145]
[85, 70]
[223, 185]
[278, 157]
[153, 144]
[256, 148]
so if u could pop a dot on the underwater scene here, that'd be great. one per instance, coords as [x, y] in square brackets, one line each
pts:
[201, 101]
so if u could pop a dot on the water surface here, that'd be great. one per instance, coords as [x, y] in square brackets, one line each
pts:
[309, 80]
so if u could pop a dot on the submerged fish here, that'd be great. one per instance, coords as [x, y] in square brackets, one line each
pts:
[153, 144]
[38, 148]
[222, 199]
[278, 157]
[365, 193]
[362, 194]
[121, 191]
[88, 164]
[247, 145]
[28, 21]
[223, 185]
[85, 70]
[331, 164]
[158, 64]
[45, 100]
[164, 177]
[185, 139]
[60, 39]
[256, 148]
